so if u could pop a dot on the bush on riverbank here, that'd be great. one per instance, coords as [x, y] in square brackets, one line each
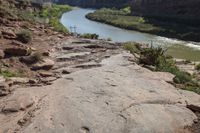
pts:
[89, 36]
[122, 19]
[156, 57]
[54, 13]
[198, 67]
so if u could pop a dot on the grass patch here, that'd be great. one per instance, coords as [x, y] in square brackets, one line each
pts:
[198, 67]
[183, 52]
[8, 74]
[54, 13]
[132, 47]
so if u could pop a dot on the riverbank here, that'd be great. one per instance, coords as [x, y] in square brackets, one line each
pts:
[122, 19]
[53, 15]
[183, 52]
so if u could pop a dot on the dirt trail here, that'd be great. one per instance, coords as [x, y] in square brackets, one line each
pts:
[101, 91]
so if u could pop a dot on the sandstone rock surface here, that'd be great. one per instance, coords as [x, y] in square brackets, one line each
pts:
[101, 92]
[117, 97]
[45, 64]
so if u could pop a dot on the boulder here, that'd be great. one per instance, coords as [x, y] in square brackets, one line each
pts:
[48, 80]
[17, 102]
[66, 72]
[31, 59]
[46, 74]
[18, 80]
[33, 81]
[44, 64]
[2, 54]
[46, 53]
[17, 51]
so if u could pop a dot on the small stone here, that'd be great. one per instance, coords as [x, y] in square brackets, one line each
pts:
[2, 54]
[45, 64]
[48, 80]
[66, 72]
[17, 51]
[195, 120]
[46, 74]
[33, 81]
[67, 48]
[46, 53]
[18, 80]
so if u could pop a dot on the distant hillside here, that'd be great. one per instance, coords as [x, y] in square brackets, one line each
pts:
[95, 3]
[175, 10]
[187, 10]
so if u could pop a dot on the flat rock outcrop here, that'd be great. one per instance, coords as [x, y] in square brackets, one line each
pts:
[102, 91]
[117, 97]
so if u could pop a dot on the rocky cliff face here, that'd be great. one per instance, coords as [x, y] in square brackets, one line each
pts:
[187, 10]
[96, 3]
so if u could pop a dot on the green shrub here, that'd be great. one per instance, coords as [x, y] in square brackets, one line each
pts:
[132, 47]
[53, 14]
[157, 58]
[198, 67]
[90, 36]
[7, 74]
[24, 36]
[152, 56]
[182, 77]
[109, 39]
[193, 87]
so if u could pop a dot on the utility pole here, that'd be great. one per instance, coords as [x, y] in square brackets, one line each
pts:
[73, 29]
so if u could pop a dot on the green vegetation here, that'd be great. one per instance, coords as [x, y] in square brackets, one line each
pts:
[198, 67]
[157, 57]
[183, 52]
[24, 36]
[54, 13]
[8, 74]
[109, 39]
[123, 19]
[132, 47]
[89, 36]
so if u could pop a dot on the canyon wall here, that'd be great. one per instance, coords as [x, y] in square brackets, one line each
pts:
[179, 10]
[184, 11]
[96, 3]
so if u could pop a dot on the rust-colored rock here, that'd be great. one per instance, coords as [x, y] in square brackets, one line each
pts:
[17, 51]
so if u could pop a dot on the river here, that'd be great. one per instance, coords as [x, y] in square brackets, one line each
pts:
[83, 25]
